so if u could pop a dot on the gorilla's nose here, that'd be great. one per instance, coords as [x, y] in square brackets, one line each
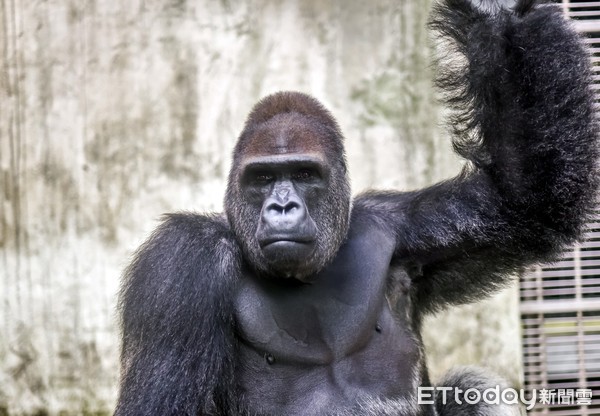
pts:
[284, 215]
[283, 209]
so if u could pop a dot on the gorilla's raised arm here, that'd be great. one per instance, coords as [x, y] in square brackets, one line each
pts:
[523, 117]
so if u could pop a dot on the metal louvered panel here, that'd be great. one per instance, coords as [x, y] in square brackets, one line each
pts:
[560, 302]
[560, 315]
[585, 14]
[560, 310]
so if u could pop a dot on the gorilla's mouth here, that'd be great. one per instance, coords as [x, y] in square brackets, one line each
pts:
[284, 241]
[287, 251]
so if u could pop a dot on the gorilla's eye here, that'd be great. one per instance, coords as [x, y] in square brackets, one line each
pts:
[303, 174]
[263, 177]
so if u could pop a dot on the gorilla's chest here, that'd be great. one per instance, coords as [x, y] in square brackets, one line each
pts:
[307, 348]
[323, 321]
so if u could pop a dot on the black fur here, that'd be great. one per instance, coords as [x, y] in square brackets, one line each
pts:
[178, 344]
[522, 117]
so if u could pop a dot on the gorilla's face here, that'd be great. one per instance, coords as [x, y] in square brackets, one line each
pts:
[288, 200]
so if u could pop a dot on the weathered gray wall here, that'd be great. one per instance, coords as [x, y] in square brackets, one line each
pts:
[114, 112]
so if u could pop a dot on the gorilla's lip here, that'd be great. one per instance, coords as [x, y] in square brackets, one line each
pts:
[273, 240]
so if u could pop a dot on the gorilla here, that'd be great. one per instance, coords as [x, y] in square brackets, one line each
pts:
[301, 300]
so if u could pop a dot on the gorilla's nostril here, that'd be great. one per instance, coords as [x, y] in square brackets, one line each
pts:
[283, 209]
[290, 207]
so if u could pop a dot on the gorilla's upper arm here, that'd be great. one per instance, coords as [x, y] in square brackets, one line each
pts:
[462, 237]
[176, 318]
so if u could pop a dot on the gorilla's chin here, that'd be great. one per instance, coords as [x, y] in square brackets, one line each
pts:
[290, 259]
[287, 251]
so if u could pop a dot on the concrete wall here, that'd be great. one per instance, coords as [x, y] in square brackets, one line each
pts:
[112, 113]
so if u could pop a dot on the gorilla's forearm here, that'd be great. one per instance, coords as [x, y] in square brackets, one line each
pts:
[524, 111]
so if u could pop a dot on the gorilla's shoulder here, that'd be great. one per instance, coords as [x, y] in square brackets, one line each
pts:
[382, 210]
[377, 200]
[376, 204]
[196, 223]
[189, 229]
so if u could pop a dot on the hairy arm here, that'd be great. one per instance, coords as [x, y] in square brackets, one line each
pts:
[523, 117]
[176, 320]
